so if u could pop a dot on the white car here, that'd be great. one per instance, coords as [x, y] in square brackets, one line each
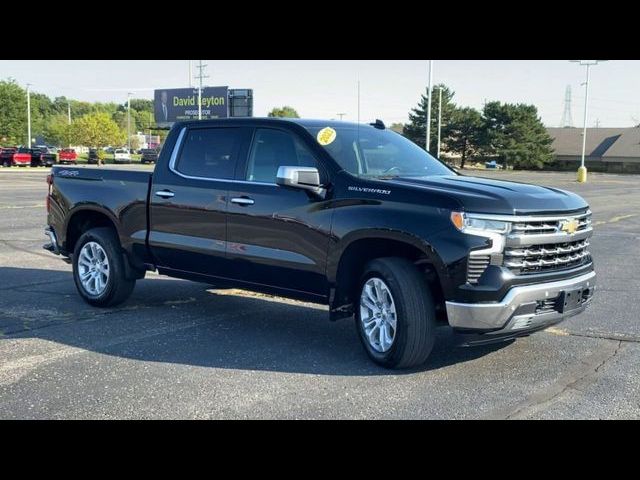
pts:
[121, 155]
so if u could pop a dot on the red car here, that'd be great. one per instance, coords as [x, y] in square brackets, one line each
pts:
[67, 155]
[12, 156]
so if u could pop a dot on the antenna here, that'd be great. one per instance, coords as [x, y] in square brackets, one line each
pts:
[566, 115]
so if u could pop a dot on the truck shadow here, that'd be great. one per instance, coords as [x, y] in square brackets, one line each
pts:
[179, 322]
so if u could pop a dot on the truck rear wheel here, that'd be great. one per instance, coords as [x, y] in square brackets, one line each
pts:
[395, 314]
[99, 270]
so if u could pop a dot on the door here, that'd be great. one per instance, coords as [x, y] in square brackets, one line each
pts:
[188, 203]
[277, 236]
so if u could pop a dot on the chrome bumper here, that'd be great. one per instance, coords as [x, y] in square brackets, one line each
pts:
[517, 310]
[53, 246]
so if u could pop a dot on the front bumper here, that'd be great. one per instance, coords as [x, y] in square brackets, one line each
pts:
[524, 308]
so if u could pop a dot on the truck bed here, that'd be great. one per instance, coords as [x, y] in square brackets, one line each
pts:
[121, 195]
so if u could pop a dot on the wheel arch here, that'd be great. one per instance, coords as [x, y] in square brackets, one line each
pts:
[85, 218]
[348, 259]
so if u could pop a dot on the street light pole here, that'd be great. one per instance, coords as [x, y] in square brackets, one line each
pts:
[28, 116]
[439, 118]
[69, 122]
[129, 123]
[582, 170]
[428, 144]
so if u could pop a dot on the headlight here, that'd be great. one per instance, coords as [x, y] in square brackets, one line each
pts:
[476, 224]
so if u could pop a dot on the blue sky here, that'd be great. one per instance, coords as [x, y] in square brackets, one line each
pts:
[388, 89]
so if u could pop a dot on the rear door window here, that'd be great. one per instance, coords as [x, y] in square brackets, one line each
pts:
[210, 152]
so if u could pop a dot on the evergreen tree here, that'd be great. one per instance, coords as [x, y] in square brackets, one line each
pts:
[416, 130]
[464, 133]
[516, 135]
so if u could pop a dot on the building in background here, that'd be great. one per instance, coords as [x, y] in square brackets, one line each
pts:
[615, 150]
[147, 140]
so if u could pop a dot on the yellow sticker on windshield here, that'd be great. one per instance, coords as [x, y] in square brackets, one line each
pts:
[326, 136]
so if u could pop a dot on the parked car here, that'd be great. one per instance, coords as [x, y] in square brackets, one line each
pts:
[493, 164]
[43, 156]
[20, 157]
[92, 158]
[350, 215]
[6, 156]
[149, 155]
[68, 155]
[121, 155]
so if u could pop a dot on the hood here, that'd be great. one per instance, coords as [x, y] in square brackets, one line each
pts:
[484, 195]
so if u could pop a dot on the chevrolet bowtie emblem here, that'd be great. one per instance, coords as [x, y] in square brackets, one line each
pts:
[569, 226]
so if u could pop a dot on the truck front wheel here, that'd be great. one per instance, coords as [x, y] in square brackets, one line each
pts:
[99, 270]
[395, 313]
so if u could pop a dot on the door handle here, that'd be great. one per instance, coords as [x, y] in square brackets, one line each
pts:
[165, 193]
[242, 201]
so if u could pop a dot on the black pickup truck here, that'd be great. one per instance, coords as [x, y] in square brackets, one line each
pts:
[43, 156]
[350, 215]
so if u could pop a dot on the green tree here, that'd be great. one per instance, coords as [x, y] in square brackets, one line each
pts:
[416, 130]
[397, 127]
[120, 117]
[141, 105]
[97, 130]
[465, 133]
[284, 112]
[13, 113]
[516, 135]
[58, 131]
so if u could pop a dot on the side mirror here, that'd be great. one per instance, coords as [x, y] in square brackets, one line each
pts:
[304, 178]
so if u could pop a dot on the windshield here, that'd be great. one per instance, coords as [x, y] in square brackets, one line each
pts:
[371, 152]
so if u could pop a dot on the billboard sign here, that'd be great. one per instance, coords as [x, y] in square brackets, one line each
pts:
[177, 104]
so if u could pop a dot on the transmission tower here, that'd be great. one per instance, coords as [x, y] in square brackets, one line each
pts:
[566, 116]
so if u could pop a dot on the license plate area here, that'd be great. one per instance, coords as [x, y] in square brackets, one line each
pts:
[570, 300]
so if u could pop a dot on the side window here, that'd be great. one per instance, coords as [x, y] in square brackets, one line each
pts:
[210, 152]
[272, 149]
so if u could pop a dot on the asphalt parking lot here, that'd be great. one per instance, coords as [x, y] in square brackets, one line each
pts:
[183, 350]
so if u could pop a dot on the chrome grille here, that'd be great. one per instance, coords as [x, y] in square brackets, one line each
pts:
[550, 225]
[550, 243]
[476, 266]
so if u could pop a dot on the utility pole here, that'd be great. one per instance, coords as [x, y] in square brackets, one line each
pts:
[341, 115]
[429, 91]
[439, 118]
[190, 74]
[597, 123]
[28, 116]
[129, 123]
[201, 75]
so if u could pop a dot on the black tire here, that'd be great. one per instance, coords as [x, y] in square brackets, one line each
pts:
[415, 313]
[118, 287]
